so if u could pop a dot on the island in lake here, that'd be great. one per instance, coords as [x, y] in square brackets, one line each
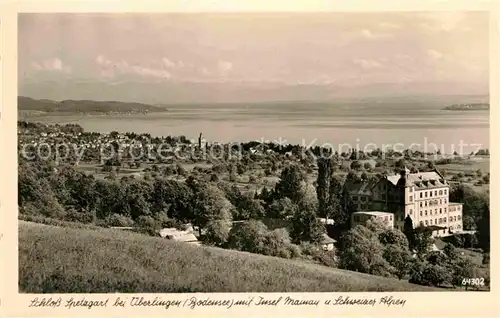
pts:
[30, 106]
[473, 106]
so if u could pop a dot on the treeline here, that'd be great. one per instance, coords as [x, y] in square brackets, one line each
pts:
[376, 250]
[62, 192]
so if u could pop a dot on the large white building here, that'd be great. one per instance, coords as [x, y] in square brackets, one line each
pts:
[423, 196]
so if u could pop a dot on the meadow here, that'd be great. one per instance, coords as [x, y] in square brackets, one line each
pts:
[65, 260]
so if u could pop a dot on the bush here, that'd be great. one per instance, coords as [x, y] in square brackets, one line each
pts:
[247, 236]
[295, 251]
[275, 243]
[147, 224]
[217, 233]
[327, 258]
[49, 221]
[73, 215]
[486, 258]
[119, 220]
[309, 249]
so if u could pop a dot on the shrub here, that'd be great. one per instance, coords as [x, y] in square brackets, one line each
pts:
[327, 258]
[73, 215]
[217, 233]
[486, 258]
[119, 220]
[275, 243]
[247, 236]
[295, 251]
[147, 224]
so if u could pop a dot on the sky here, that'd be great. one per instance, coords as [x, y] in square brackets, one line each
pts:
[264, 50]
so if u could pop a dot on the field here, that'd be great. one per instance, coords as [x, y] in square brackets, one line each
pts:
[465, 172]
[63, 260]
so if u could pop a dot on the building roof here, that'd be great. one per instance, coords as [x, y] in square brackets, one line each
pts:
[363, 187]
[374, 213]
[327, 240]
[421, 180]
[454, 203]
[185, 238]
[178, 235]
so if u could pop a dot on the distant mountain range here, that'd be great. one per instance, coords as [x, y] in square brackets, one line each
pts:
[170, 92]
[27, 104]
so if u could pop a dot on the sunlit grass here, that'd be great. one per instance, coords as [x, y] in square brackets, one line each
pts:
[63, 260]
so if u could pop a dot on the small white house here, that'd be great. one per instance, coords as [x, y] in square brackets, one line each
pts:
[327, 243]
[179, 235]
[326, 221]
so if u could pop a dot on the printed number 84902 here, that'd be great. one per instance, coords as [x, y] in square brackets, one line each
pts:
[473, 282]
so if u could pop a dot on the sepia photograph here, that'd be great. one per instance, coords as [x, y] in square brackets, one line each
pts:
[253, 152]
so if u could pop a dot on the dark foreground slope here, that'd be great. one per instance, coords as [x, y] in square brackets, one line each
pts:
[63, 260]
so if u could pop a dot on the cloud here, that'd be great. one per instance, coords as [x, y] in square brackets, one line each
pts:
[101, 60]
[168, 63]
[434, 54]
[224, 67]
[367, 64]
[205, 71]
[53, 64]
[367, 34]
[144, 71]
[109, 68]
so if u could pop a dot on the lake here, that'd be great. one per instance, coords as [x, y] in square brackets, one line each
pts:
[358, 124]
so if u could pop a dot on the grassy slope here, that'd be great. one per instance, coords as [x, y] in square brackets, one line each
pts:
[63, 260]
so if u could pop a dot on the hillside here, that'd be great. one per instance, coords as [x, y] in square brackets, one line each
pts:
[83, 106]
[64, 260]
[473, 106]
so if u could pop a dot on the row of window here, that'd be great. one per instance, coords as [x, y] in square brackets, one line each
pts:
[435, 211]
[364, 217]
[441, 220]
[436, 221]
[432, 202]
[425, 193]
[362, 198]
[454, 208]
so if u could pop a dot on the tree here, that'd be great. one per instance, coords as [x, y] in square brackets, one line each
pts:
[282, 209]
[399, 257]
[247, 236]
[462, 268]
[451, 252]
[409, 232]
[361, 251]
[210, 204]
[335, 209]
[277, 243]
[393, 237]
[290, 184]
[435, 275]
[484, 228]
[423, 242]
[305, 226]
[355, 165]
[325, 171]
[217, 233]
